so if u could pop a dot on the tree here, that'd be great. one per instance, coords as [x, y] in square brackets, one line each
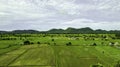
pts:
[9, 46]
[118, 64]
[26, 42]
[111, 43]
[102, 43]
[94, 44]
[38, 42]
[31, 43]
[117, 36]
[53, 40]
[48, 43]
[54, 44]
[68, 44]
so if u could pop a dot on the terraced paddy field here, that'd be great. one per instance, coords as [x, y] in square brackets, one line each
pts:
[48, 54]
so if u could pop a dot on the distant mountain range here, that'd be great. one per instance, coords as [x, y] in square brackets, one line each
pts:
[69, 30]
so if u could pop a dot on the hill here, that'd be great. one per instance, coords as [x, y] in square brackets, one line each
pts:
[69, 30]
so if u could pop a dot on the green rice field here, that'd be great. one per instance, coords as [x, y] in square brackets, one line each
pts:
[59, 50]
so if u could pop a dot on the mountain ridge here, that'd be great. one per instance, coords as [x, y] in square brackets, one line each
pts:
[70, 30]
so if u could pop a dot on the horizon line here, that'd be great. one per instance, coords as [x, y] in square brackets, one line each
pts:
[60, 28]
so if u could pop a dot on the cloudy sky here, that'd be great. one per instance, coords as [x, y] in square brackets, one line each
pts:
[47, 14]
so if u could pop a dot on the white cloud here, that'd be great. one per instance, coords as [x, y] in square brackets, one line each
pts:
[79, 23]
[56, 13]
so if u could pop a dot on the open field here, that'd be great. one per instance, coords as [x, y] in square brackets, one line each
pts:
[59, 50]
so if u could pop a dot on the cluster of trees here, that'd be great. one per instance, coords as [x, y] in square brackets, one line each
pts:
[8, 38]
[117, 36]
[27, 42]
[69, 44]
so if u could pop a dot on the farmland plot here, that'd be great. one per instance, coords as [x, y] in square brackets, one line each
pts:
[75, 57]
[60, 56]
[43, 56]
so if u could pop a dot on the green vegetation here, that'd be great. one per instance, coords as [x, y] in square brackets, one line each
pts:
[60, 50]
